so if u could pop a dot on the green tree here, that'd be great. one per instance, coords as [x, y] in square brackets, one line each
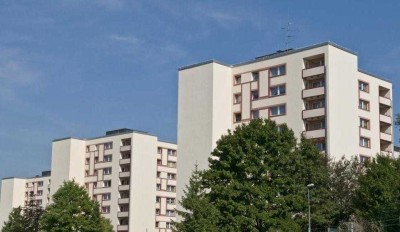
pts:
[343, 184]
[16, 221]
[257, 180]
[24, 219]
[378, 197]
[73, 210]
[198, 214]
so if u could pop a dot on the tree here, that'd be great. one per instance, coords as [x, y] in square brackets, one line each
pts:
[378, 197]
[257, 180]
[24, 219]
[73, 210]
[343, 184]
[16, 222]
[198, 214]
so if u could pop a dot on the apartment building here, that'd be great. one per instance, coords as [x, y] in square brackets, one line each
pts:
[318, 91]
[130, 173]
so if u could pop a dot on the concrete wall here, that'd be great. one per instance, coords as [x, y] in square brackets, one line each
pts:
[12, 196]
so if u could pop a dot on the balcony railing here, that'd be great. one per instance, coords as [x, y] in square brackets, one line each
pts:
[314, 113]
[124, 174]
[314, 134]
[313, 71]
[386, 137]
[385, 119]
[125, 148]
[385, 101]
[309, 93]
[125, 161]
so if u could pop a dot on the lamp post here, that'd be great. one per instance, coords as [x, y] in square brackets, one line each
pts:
[309, 206]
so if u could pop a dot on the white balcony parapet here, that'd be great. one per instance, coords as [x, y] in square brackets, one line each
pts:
[386, 137]
[122, 228]
[313, 92]
[125, 161]
[313, 71]
[125, 148]
[313, 113]
[385, 101]
[386, 119]
[123, 214]
[314, 134]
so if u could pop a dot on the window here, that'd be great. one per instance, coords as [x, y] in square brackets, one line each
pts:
[171, 200]
[158, 199]
[159, 162]
[39, 192]
[316, 84]
[320, 146]
[364, 159]
[107, 183]
[170, 213]
[158, 174]
[254, 95]
[255, 76]
[107, 171]
[105, 209]
[316, 125]
[364, 123]
[106, 197]
[40, 183]
[238, 79]
[96, 159]
[171, 188]
[159, 150]
[315, 104]
[255, 114]
[171, 176]
[277, 90]
[158, 211]
[168, 225]
[108, 145]
[124, 194]
[365, 142]
[126, 156]
[125, 181]
[157, 224]
[277, 71]
[237, 98]
[39, 202]
[87, 160]
[237, 117]
[277, 110]
[171, 164]
[87, 148]
[363, 86]
[158, 187]
[171, 152]
[364, 105]
[107, 158]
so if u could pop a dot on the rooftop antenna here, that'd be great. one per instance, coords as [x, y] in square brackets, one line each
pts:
[289, 37]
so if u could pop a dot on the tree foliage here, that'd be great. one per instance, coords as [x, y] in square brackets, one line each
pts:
[378, 197]
[257, 180]
[73, 210]
[24, 219]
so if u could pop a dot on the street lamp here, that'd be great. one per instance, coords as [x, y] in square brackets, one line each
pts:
[309, 206]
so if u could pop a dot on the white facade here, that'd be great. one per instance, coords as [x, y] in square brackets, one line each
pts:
[317, 91]
[130, 173]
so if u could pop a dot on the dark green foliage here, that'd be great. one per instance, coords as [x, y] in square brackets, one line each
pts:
[24, 219]
[257, 181]
[73, 210]
[378, 197]
[16, 221]
[344, 176]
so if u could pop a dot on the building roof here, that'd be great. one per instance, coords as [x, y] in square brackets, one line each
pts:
[271, 56]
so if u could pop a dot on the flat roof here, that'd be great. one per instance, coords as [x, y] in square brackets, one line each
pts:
[271, 56]
[109, 133]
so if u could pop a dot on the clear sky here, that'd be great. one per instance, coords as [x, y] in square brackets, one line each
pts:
[79, 68]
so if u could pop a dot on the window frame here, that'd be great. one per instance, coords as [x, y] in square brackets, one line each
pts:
[365, 84]
[270, 74]
[279, 113]
[368, 123]
[368, 142]
[278, 90]
[360, 105]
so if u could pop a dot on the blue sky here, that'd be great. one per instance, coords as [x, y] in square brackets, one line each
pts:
[79, 68]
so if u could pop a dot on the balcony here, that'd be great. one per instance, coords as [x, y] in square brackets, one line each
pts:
[125, 148]
[313, 93]
[314, 113]
[123, 187]
[122, 228]
[385, 101]
[125, 161]
[311, 72]
[124, 174]
[387, 153]
[386, 137]
[123, 201]
[123, 214]
[385, 119]
[313, 134]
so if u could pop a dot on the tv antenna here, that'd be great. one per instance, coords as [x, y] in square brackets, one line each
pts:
[289, 33]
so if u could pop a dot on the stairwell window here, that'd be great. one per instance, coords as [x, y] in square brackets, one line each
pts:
[365, 142]
[364, 105]
[277, 71]
[277, 110]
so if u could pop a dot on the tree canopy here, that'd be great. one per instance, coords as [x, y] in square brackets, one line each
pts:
[257, 181]
[24, 219]
[73, 210]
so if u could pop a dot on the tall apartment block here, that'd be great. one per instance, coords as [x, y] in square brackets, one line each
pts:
[130, 173]
[318, 91]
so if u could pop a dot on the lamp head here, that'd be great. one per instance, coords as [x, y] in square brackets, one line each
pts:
[310, 185]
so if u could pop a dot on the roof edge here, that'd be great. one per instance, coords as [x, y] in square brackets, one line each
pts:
[202, 63]
[373, 75]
